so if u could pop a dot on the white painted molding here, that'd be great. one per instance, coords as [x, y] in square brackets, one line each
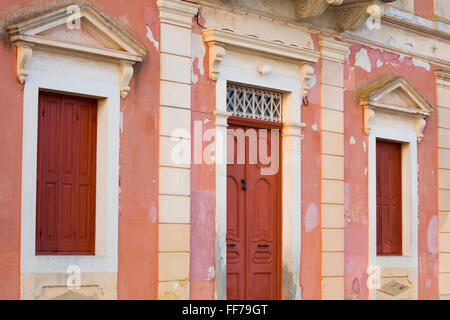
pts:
[115, 44]
[219, 41]
[24, 54]
[177, 12]
[375, 99]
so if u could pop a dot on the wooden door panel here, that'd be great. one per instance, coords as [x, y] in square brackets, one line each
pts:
[253, 225]
[389, 198]
[67, 159]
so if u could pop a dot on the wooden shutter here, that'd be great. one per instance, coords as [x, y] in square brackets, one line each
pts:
[66, 172]
[389, 198]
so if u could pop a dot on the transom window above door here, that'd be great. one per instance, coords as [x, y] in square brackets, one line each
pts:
[254, 103]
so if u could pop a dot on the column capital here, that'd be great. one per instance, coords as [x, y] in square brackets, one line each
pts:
[333, 50]
[177, 12]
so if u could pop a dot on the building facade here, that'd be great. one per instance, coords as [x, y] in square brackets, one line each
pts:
[136, 139]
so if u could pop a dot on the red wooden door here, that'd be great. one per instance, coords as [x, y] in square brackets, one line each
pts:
[66, 172]
[253, 229]
[389, 198]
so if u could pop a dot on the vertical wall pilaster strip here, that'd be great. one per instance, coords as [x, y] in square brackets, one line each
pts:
[443, 113]
[174, 174]
[332, 174]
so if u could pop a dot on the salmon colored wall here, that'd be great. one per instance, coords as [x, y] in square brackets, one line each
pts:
[310, 271]
[203, 183]
[139, 153]
[11, 172]
[424, 8]
[356, 162]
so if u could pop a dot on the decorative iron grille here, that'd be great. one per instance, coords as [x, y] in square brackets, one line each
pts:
[254, 103]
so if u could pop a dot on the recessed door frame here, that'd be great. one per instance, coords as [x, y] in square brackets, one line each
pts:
[290, 85]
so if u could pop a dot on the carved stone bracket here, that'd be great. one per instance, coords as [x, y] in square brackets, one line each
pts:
[126, 72]
[310, 9]
[306, 73]
[369, 114]
[353, 16]
[216, 55]
[420, 125]
[24, 54]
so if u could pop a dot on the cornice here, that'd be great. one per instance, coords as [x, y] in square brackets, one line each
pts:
[227, 39]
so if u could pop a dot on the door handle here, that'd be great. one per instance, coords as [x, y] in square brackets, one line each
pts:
[263, 245]
[231, 245]
[244, 184]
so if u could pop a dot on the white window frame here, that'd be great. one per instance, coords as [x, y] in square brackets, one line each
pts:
[62, 78]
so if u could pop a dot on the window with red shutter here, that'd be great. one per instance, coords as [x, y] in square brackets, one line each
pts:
[66, 175]
[389, 198]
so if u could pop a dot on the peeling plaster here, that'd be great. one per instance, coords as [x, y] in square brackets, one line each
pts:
[314, 127]
[312, 81]
[352, 140]
[432, 235]
[362, 60]
[211, 273]
[198, 52]
[121, 122]
[153, 213]
[379, 63]
[421, 63]
[311, 217]
[150, 37]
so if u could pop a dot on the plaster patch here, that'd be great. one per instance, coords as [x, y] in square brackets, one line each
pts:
[364, 146]
[198, 52]
[421, 63]
[150, 37]
[153, 213]
[379, 63]
[311, 217]
[312, 81]
[363, 61]
[314, 127]
[210, 273]
[433, 235]
[352, 140]
[365, 171]
[121, 122]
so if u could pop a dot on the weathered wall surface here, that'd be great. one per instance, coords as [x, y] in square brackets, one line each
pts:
[310, 274]
[363, 67]
[203, 183]
[137, 270]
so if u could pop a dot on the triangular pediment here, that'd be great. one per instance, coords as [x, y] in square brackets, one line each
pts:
[395, 95]
[81, 28]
